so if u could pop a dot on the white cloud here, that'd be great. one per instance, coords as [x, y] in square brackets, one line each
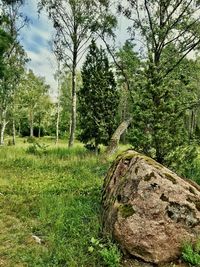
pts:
[36, 38]
[43, 64]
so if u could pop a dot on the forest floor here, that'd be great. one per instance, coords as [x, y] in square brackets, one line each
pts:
[49, 205]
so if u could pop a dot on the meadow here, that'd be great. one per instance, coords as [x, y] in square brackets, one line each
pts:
[50, 205]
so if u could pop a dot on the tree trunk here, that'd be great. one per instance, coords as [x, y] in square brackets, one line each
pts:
[58, 108]
[96, 148]
[39, 126]
[3, 127]
[73, 110]
[124, 110]
[14, 133]
[19, 129]
[57, 121]
[39, 131]
[192, 124]
[114, 141]
[31, 124]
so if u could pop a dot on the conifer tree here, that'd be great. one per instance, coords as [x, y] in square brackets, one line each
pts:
[168, 31]
[98, 99]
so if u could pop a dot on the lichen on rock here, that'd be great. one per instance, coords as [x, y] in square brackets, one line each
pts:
[126, 210]
[148, 209]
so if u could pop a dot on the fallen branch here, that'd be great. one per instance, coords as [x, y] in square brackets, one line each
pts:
[114, 141]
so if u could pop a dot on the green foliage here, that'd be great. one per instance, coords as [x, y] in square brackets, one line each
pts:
[183, 160]
[159, 113]
[5, 42]
[12, 59]
[63, 104]
[128, 68]
[163, 91]
[109, 252]
[192, 170]
[128, 61]
[33, 102]
[98, 98]
[111, 256]
[32, 149]
[31, 139]
[84, 18]
[36, 148]
[191, 253]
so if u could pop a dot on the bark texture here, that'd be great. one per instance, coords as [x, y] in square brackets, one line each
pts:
[13, 133]
[3, 127]
[114, 141]
[74, 100]
[31, 122]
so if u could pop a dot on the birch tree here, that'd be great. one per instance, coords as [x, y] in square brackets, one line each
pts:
[75, 22]
[33, 95]
[12, 57]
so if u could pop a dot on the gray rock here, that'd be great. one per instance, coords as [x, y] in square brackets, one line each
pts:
[148, 209]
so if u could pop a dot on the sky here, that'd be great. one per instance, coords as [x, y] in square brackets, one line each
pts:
[36, 38]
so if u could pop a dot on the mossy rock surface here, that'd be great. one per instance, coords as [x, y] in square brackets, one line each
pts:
[126, 210]
[148, 209]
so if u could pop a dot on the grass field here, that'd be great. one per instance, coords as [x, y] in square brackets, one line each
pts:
[53, 194]
[50, 206]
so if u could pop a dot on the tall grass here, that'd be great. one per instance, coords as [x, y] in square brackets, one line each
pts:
[55, 196]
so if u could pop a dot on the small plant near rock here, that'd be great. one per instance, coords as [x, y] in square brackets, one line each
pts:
[111, 255]
[109, 252]
[191, 253]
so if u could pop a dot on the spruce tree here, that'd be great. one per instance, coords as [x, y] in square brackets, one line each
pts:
[98, 99]
[168, 31]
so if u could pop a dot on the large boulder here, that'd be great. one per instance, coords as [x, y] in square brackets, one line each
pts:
[148, 209]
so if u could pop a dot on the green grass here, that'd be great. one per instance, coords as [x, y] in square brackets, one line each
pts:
[191, 253]
[53, 195]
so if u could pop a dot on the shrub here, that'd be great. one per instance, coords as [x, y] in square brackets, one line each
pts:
[31, 139]
[32, 149]
[37, 149]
